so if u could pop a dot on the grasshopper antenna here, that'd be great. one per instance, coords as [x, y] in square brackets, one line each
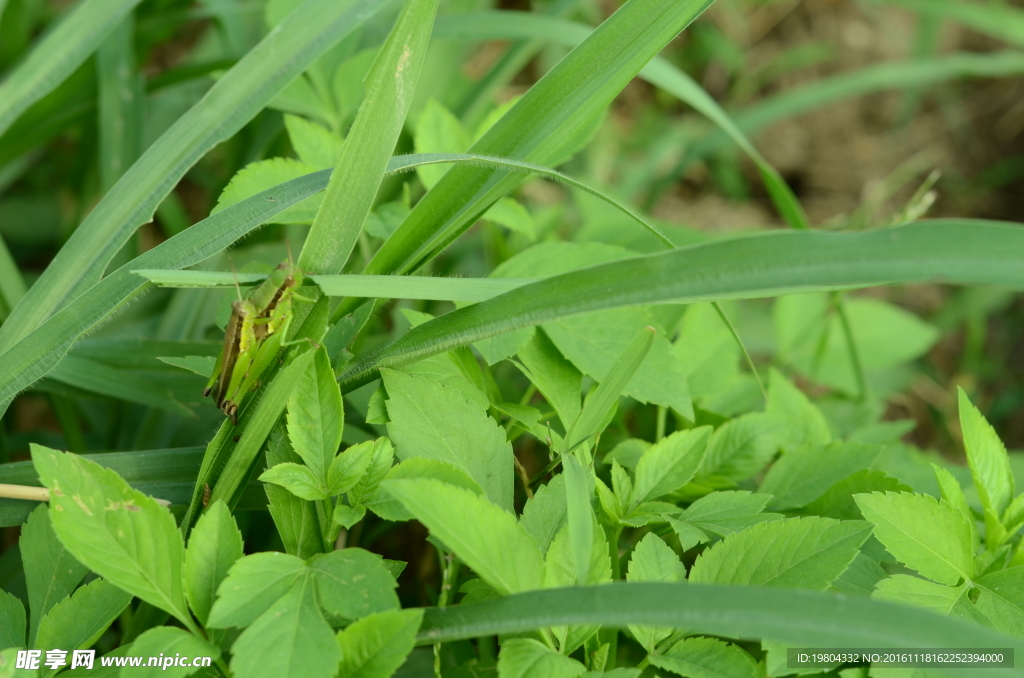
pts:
[234, 274]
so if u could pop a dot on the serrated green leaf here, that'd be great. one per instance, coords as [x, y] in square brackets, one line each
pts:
[707, 658]
[213, 547]
[555, 377]
[433, 421]
[297, 479]
[807, 553]
[168, 641]
[315, 145]
[484, 536]
[800, 476]
[860, 577]
[77, 622]
[263, 175]
[389, 508]
[689, 535]
[376, 645]
[291, 638]
[438, 131]
[986, 455]
[381, 457]
[523, 657]
[52, 573]
[561, 569]
[12, 614]
[316, 417]
[579, 483]
[352, 583]
[954, 494]
[806, 423]
[545, 513]
[117, 532]
[653, 560]
[945, 600]
[669, 464]
[347, 516]
[838, 501]
[295, 518]
[706, 350]
[1002, 598]
[927, 535]
[253, 585]
[740, 448]
[725, 513]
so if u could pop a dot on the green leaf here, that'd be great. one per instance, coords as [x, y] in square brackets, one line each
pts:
[669, 464]
[545, 513]
[349, 467]
[213, 547]
[317, 146]
[555, 377]
[12, 614]
[838, 501]
[438, 131]
[52, 573]
[523, 657]
[707, 658]
[740, 448]
[58, 54]
[484, 536]
[807, 553]
[751, 266]
[389, 88]
[353, 583]
[264, 175]
[806, 425]
[8, 662]
[77, 622]
[940, 599]
[986, 455]
[1002, 598]
[316, 417]
[561, 569]
[295, 518]
[860, 577]
[579, 483]
[725, 513]
[800, 476]
[375, 646]
[169, 642]
[254, 583]
[381, 457]
[291, 638]
[389, 508]
[706, 350]
[593, 418]
[954, 494]
[927, 535]
[434, 421]
[347, 516]
[198, 364]
[297, 479]
[232, 101]
[119, 533]
[653, 560]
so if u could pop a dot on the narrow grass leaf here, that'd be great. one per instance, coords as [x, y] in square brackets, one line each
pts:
[986, 455]
[579, 485]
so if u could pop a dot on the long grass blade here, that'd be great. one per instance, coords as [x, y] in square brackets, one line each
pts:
[760, 265]
[58, 54]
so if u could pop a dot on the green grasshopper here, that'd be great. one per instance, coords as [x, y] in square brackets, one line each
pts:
[254, 335]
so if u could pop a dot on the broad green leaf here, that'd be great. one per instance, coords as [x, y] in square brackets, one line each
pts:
[376, 645]
[902, 588]
[926, 535]
[707, 658]
[349, 467]
[58, 54]
[513, 216]
[438, 131]
[669, 464]
[169, 642]
[545, 513]
[379, 464]
[653, 560]
[434, 421]
[800, 476]
[291, 638]
[52, 573]
[213, 547]
[264, 175]
[315, 145]
[555, 377]
[740, 448]
[12, 614]
[764, 264]
[233, 100]
[861, 577]
[579, 483]
[297, 479]
[389, 508]
[838, 501]
[706, 351]
[1002, 598]
[526, 657]
[389, 88]
[8, 662]
[316, 417]
[117, 532]
[797, 618]
[689, 535]
[77, 622]
[808, 553]
[484, 536]
[295, 518]
[986, 455]
[600, 402]
[954, 494]
[353, 583]
[254, 583]
[805, 423]
[347, 516]
[725, 513]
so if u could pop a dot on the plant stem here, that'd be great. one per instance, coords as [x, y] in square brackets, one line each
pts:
[851, 345]
[659, 427]
[743, 347]
[449, 574]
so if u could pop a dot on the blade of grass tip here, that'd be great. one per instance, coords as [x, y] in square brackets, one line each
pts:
[537, 127]
[120, 97]
[608, 391]
[244, 90]
[759, 265]
[58, 54]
